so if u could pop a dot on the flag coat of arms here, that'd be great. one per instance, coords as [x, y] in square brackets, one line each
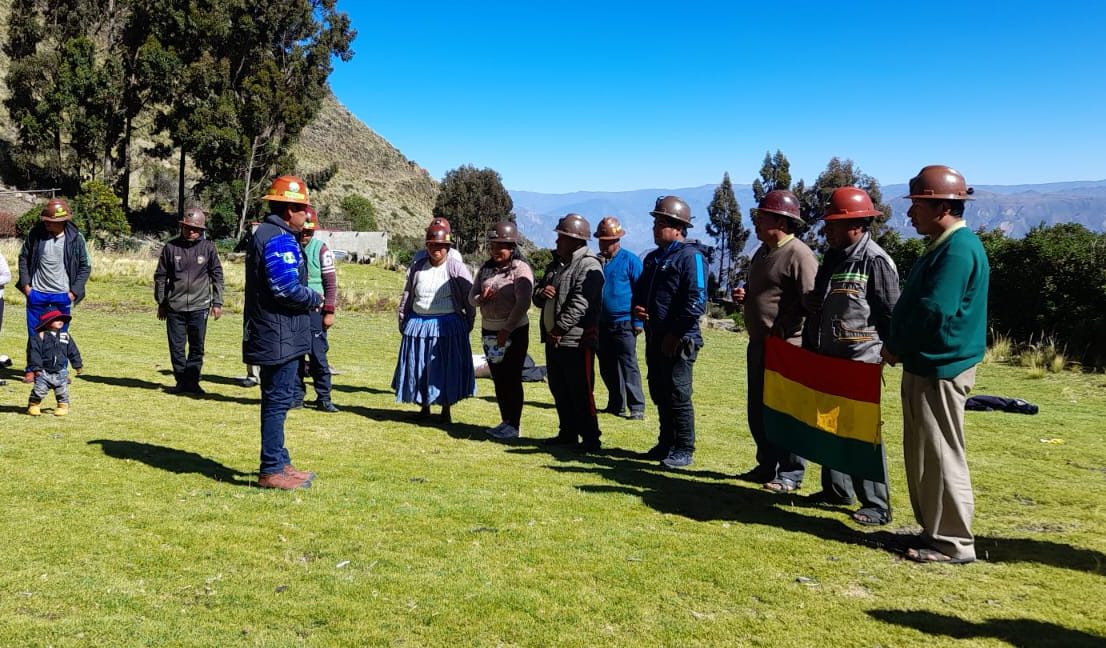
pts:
[823, 408]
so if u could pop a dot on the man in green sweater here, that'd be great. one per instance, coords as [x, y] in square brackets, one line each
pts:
[939, 332]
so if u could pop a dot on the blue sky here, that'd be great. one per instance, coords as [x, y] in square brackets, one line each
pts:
[575, 96]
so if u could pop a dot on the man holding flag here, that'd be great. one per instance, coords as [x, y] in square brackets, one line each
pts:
[850, 307]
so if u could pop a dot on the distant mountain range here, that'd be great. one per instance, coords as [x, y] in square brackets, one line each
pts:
[1013, 208]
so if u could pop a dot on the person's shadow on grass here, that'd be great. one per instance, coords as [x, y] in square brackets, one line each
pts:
[172, 460]
[1023, 633]
[138, 383]
[686, 493]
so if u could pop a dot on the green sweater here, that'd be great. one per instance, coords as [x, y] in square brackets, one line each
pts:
[939, 325]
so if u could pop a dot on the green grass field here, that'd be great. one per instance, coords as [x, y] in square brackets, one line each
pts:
[134, 522]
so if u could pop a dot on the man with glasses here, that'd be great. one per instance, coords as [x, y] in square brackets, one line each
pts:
[188, 284]
[781, 271]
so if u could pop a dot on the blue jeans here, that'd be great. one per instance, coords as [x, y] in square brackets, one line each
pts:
[278, 384]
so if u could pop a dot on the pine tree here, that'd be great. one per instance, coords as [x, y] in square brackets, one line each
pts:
[727, 229]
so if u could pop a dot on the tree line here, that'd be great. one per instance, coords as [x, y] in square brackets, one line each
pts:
[224, 85]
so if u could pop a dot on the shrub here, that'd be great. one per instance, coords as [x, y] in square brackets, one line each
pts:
[98, 212]
[360, 212]
[28, 220]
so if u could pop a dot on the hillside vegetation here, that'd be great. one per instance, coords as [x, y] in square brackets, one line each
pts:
[402, 191]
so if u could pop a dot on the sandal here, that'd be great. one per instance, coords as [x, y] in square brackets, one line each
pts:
[872, 516]
[926, 555]
[781, 485]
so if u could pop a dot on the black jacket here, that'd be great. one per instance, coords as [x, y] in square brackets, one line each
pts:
[77, 265]
[673, 289]
[189, 276]
[52, 351]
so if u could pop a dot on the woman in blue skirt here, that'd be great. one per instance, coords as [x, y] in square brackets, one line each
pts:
[435, 318]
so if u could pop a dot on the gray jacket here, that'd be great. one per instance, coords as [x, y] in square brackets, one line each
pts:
[573, 313]
[858, 287]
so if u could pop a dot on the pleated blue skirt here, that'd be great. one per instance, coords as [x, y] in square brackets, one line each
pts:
[435, 361]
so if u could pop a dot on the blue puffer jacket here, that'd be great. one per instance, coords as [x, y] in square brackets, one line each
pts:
[277, 326]
[673, 289]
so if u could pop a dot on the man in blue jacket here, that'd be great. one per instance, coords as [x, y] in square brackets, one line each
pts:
[670, 298]
[618, 330]
[277, 325]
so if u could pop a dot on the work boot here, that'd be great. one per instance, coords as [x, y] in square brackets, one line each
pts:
[62, 409]
[292, 471]
[34, 409]
[282, 481]
[326, 406]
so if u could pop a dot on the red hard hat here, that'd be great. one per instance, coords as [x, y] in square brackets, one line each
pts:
[438, 220]
[782, 202]
[312, 221]
[438, 234]
[939, 182]
[850, 202]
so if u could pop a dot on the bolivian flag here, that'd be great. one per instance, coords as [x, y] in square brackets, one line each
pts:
[824, 409]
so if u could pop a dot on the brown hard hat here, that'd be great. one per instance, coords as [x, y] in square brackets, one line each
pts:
[574, 226]
[194, 218]
[609, 228]
[438, 234]
[57, 211]
[288, 189]
[438, 220]
[503, 232]
[850, 202]
[782, 202]
[939, 182]
[672, 207]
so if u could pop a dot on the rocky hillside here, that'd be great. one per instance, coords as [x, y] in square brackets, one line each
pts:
[402, 191]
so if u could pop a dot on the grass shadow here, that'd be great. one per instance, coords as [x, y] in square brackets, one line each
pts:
[1023, 633]
[172, 460]
[536, 404]
[137, 383]
[684, 492]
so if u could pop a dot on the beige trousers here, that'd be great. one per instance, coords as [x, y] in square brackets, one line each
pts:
[936, 462]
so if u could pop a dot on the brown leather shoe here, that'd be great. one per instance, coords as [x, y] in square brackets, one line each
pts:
[291, 471]
[281, 481]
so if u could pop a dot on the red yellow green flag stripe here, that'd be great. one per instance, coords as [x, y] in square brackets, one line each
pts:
[824, 409]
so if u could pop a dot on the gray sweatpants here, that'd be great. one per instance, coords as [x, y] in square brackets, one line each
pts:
[44, 382]
[936, 462]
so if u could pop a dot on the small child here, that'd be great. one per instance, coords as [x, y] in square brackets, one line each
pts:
[49, 352]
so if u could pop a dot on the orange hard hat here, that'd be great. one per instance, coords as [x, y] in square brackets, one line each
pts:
[288, 189]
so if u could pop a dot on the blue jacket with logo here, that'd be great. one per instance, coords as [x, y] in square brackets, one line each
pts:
[673, 289]
[277, 326]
